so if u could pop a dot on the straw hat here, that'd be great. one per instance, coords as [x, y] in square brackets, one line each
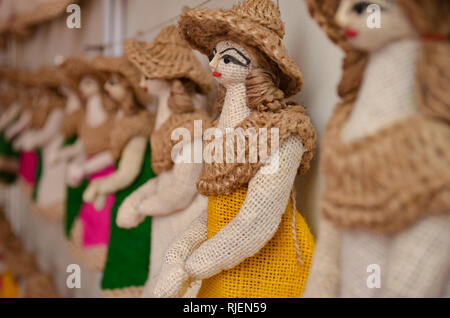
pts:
[52, 77]
[168, 57]
[77, 67]
[253, 22]
[324, 11]
[123, 67]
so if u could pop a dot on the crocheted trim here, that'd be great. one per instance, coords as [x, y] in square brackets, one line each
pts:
[129, 127]
[225, 178]
[253, 22]
[386, 182]
[71, 122]
[123, 67]
[168, 57]
[162, 143]
[96, 139]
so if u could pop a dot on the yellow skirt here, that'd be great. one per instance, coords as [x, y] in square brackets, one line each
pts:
[274, 272]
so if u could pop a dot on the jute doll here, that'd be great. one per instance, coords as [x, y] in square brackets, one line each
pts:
[176, 78]
[127, 263]
[45, 136]
[9, 99]
[71, 148]
[91, 228]
[250, 241]
[385, 231]
[18, 132]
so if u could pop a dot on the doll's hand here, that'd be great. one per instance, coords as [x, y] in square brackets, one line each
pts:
[128, 215]
[173, 282]
[28, 143]
[91, 192]
[75, 174]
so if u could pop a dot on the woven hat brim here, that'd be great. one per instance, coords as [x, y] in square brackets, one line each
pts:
[202, 28]
[77, 67]
[167, 62]
[121, 66]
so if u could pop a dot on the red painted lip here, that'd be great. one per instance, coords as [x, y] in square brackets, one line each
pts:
[217, 74]
[350, 33]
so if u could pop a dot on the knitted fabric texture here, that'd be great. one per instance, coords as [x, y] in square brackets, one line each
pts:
[274, 271]
[162, 143]
[168, 57]
[77, 67]
[368, 182]
[128, 127]
[254, 22]
[96, 139]
[122, 66]
[126, 269]
[225, 178]
[71, 122]
[50, 102]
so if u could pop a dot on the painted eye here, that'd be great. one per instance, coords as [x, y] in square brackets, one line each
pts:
[226, 60]
[211, 57]
[360, 7]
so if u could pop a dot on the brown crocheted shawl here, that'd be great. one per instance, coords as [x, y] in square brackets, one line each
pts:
[128, 127]
[161, 139]
[41, 112]
[225, 178]
[385, 182]
[96, 139]
[71, 122]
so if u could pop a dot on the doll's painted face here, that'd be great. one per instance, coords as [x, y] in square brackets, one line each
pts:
[353, 17]
[153, 86]
[230, 63]
[89, 86]
[116, 87]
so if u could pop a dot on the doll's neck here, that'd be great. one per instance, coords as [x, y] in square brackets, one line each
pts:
[387, 91]
[73, 103]
[96, 114]
[163, 112]
[235, 107]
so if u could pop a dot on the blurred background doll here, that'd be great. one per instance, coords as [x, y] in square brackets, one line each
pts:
[127, 263]
[71, 149]
[250, 241]
[176, 78]
[91, 228]
[44, 136]
[10, 103]
[385, 153]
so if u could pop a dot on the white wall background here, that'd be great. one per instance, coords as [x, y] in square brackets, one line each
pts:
[112, 20]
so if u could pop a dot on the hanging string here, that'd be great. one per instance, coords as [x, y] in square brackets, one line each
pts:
[140, 33]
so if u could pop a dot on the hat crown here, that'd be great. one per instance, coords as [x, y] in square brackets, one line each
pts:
[263, 12]
[170, 35]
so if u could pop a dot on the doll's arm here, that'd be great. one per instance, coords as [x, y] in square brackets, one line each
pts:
[8, 116]
[173, 280]
[19, 126]
[51, 127]
[174, 195]
[66, 153]
[323, 278]
[98, 163]
[419, 261]
[258, 219]
[129, 167]
[128, 215]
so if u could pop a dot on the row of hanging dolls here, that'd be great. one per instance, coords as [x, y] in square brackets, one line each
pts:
[93, 154]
